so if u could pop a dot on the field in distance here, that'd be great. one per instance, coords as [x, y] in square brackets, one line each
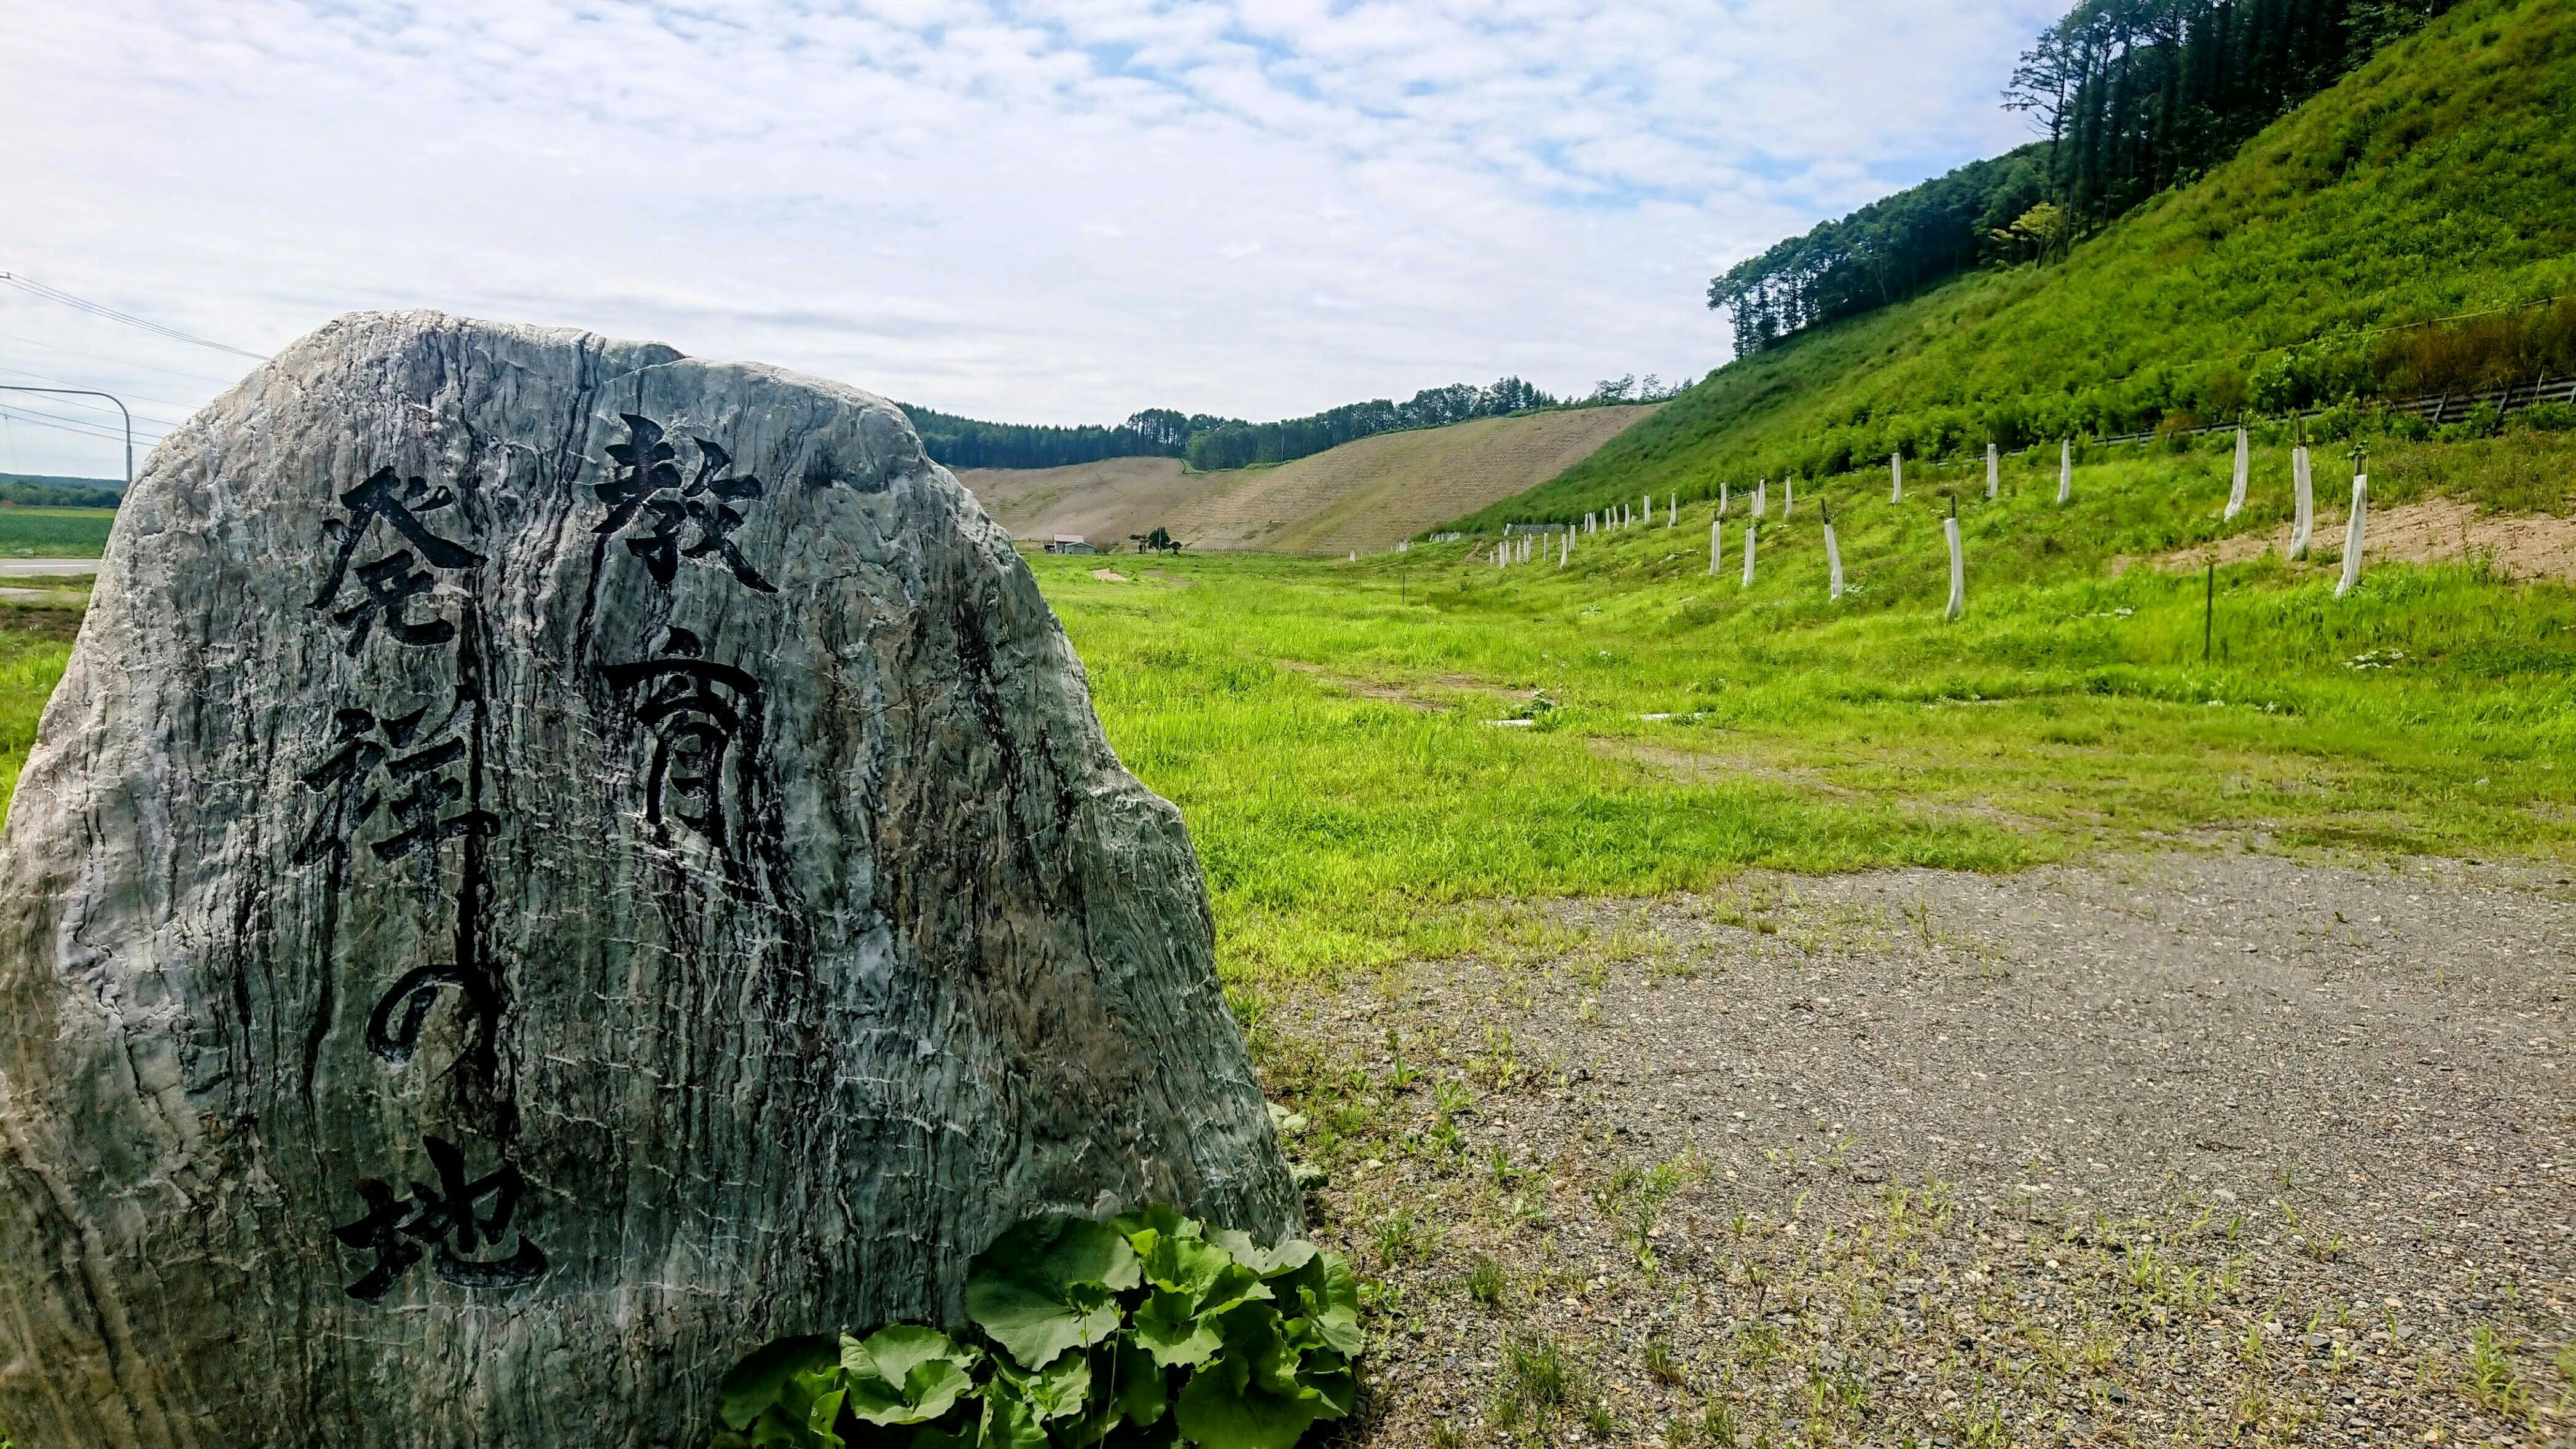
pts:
[1365, 495]
[54, 532]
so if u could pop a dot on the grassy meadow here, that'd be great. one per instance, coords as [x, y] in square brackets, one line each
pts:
[1330, 729]
[53, 532]
[35, 643]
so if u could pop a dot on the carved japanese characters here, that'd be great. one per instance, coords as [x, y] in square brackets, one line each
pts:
[554, 863]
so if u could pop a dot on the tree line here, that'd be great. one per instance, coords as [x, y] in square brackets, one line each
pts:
[2135, 96]
[32, 490]
[1211, 443]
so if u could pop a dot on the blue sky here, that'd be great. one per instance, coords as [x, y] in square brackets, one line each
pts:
[1040, 210]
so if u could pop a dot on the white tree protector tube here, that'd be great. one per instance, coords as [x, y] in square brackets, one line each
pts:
[2244, 473]
[1994, 469]
[1833, 565]
[1896, 475]
[1721, 498]
[2065, 469]
[2303, 528]
[1958, 571]
[1672, 509]
[1749, 530]
[2352, 535]
[1716, 544]
[1649, 506]
[1565, 548]
[1762, 499]
[1788, 494]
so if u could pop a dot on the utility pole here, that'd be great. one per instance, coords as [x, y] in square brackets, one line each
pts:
[90, 392]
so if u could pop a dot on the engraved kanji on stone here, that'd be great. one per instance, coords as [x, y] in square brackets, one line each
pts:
[450, 1217]
[644, 486]
[398, 503]
[696, 709]
[391, 583]
[365, 744]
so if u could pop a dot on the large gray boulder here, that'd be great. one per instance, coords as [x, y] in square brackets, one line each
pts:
[555, 863]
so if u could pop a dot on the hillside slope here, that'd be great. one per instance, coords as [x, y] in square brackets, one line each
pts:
[1365, 495]
[2437, 179]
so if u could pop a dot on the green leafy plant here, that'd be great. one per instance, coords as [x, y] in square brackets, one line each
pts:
[1146, 1331]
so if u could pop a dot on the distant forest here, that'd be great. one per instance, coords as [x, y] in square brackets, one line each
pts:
[37, 490]
[1211, 443]
[2136, 96]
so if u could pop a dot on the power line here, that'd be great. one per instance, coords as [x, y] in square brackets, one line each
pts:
[119, 361]
[63, 424]
[94, 407]
[39, 289]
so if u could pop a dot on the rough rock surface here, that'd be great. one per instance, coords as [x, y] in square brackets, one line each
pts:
[555, 863]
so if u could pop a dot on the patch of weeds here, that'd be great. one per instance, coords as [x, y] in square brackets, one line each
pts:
[1400, 1074]
[1983, 1427]
[1251, 1009]
[1662, 1366]
[1486, 1282]
[2491, 1380]
[1399, 1238]
[1538, 1372]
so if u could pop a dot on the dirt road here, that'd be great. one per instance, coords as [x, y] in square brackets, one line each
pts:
[2182, 1150]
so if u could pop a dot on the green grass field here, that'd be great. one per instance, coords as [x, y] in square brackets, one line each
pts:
[1328, 728]
[54, 532]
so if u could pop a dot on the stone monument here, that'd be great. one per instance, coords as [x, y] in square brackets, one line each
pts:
[555, 863]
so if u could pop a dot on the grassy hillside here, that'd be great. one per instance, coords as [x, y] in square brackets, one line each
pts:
[1364, 495]
[2438, 179]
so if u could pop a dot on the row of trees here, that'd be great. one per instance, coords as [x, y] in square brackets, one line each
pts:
[1883, 253]
[1210, 443]
[45, 491]
[2135, 95]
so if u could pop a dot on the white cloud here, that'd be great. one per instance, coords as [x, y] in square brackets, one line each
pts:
[1041, 210]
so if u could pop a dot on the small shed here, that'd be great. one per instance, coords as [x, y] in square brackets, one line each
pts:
[1069, 543]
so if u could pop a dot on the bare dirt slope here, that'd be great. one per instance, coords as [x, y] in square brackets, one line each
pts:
[1364, 495]
[1104, 502]
[2434, 530]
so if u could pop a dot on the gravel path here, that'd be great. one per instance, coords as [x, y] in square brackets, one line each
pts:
[2192, 1149]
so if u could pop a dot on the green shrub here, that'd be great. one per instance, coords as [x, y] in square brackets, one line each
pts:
[1150, 1329]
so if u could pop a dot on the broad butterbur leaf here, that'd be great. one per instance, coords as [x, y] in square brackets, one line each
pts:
[1291, 1254]
[1046, 1285]
[1153, 1223]
[1008, 1422]
[1144, 1392]
[1054, 1392]
[1331, 1298]
[1220, 1409]
[1183, 1265]
[905, 1374]
[756, 1383]
[1170, 1328]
